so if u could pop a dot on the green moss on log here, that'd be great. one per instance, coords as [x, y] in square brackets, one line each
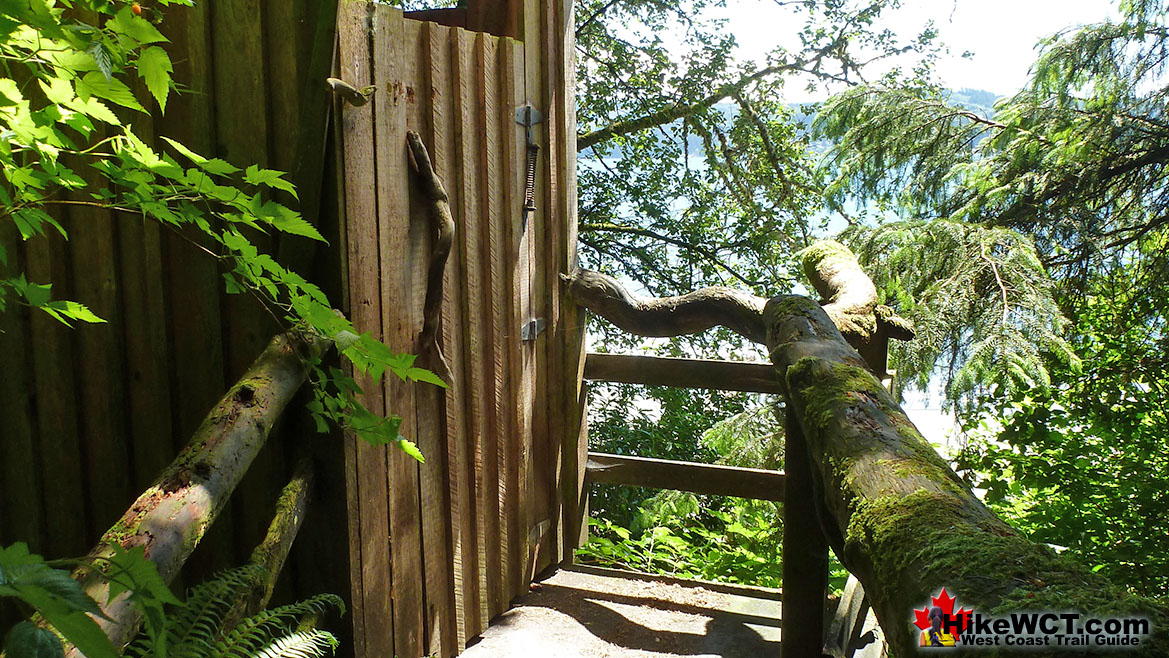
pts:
[821, 255]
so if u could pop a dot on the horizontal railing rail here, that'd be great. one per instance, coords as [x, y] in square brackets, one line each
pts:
[681, 373]
[713, 479]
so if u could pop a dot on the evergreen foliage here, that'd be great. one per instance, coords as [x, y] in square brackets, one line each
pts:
[1074, 165]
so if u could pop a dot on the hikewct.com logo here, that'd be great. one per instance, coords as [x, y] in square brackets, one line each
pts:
[942, 627]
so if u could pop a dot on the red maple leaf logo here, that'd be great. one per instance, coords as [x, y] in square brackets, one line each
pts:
[946, 603]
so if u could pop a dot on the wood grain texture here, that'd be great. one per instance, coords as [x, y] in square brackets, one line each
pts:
[19, 477]
[401, 250]
[713, 479]
[491, 271]
[571, 318]
[101, 362]
[59, 441]
[469, 239]
[445, 156]
[683, 373]
[544, 493]
[434, 491]
[516, 274]
[373, 612]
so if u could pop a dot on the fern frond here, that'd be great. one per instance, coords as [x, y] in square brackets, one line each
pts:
[257, 631]
[305, 644]
[193, 627]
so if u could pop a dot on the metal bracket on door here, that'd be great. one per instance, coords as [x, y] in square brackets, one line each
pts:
[528, 116]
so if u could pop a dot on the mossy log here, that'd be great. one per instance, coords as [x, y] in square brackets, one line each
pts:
[849, 298]
[271, 553]
[170, 518]
[896, 514]
[893, 511]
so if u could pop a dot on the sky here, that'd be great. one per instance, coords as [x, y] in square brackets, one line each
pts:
[1002, 34]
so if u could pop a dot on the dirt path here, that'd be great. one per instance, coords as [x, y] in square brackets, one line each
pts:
[590, 613]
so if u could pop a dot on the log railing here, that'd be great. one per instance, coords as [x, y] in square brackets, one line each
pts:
[859, 475]
[805, 550]
[681, 373]
[712, 479]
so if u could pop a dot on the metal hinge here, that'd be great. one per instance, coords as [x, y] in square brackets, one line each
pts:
[531, 329]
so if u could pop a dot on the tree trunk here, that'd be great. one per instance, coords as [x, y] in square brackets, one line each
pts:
[894, 512]
[170, 517]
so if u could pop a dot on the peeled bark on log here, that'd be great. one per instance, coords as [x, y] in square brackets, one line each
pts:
[668, 316]
[894, 512]
[849, 298]
[170, 518]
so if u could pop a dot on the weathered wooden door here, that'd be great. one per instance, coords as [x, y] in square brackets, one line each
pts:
[439, 548]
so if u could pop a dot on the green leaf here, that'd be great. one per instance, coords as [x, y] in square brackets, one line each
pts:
[57, 90]
[424, 375]
[155, 68]
[9, 92]
[76, 626]
[142, 572]
[411, 449]
[113, 90]
[287, 221]
[269, 177]
[126, 23]
[64, 310]
[101, 57]
[27, 640]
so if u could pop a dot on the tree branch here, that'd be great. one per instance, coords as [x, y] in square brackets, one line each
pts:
[677, 111]
[668, 316]
[440, 213]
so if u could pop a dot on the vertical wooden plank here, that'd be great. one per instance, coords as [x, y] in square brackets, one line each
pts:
[147, 355]
[147, 367]
[552, 167]
[317, 30]
[401, 246]
[467, 145]
[192, 279]
[20, 483]
[570, 319]
[242, 128]
[488, 305]
[805, 552]
[56, 407]
[242, 122]
[520, 363]
[285, 59]
[372, 612]
[435, 504]
[443, 120]
[544, 456]
[100, 364]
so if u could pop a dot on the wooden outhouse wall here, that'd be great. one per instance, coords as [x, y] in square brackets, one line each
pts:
[440, 548]
[90, 415]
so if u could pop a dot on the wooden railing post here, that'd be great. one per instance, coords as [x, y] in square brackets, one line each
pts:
[805, 553]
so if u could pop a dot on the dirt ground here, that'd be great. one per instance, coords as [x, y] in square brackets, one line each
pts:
[591, 613]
